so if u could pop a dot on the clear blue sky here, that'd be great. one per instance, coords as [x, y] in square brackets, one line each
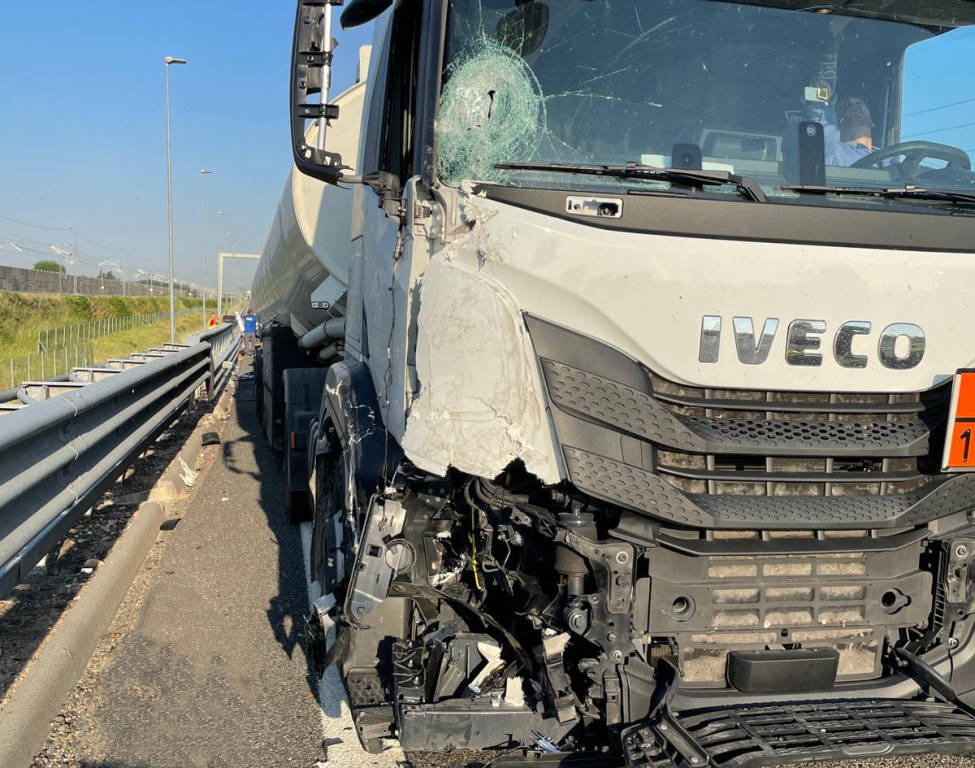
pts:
[82, 126]
[82, 131]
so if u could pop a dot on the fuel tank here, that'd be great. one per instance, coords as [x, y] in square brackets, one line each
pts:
[303, 274]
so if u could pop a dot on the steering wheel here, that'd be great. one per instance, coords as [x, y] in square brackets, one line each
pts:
[914, 152]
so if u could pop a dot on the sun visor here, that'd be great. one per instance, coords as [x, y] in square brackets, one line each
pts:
[933, 14]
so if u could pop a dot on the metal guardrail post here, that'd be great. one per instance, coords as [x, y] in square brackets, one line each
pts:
[224, 341]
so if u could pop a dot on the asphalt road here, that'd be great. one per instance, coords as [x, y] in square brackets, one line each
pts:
[209, 671]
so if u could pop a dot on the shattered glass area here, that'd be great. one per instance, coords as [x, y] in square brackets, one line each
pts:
[492, 109]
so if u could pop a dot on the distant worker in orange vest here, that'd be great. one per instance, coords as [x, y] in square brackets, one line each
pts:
[213, 319]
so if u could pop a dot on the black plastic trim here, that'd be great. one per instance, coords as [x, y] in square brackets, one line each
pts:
[774, 547]
[610, 425]
[780, 671]
[824, 729]
[823, 406]
[645, 491]
[779, 222]
[754, 476]
[621, 397]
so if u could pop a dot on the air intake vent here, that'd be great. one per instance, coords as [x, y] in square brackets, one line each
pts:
[827, 419]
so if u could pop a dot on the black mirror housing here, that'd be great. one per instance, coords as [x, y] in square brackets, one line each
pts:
[311, 66]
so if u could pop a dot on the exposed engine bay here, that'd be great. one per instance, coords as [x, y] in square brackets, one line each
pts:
[482, 614]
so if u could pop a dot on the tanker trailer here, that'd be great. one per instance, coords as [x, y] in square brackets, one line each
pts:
[299, 286]
[649, 442]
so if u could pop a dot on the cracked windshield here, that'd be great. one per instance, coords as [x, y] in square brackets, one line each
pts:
[800, 101]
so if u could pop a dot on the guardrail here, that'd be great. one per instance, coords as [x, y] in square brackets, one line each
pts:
[225, 342]
[67, 441]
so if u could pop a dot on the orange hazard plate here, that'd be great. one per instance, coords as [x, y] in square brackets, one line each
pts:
[959, 454]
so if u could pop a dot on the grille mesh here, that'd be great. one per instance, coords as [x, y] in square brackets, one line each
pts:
[827, 418]
[762, 735]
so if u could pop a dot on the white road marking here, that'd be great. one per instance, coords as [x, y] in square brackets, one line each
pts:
[334, 708]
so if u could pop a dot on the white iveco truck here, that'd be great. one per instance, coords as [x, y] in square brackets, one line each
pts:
[618, 351]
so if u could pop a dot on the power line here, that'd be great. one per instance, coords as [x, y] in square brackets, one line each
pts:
[64, 229]
[36, 226]
[26, 243]
[939, 130]
[23, 238]
[99, 245]
[935, 109]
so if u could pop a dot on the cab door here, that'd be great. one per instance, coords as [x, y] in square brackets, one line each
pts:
[392, 247]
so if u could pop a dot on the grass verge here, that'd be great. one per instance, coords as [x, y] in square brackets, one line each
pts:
[145, 336]
[19, 357]
[23, 316]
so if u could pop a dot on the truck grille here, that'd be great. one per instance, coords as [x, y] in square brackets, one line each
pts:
[744, 459]
[826, 416]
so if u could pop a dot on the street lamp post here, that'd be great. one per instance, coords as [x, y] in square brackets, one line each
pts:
[139, 273]
[67, 259]
[169, 190]
[118, 266]
[203, 243]
[74, 257]
[220, 299]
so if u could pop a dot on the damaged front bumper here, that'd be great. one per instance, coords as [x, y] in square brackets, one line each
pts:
[522, 612]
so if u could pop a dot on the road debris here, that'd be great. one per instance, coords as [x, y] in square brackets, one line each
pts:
[210, 438]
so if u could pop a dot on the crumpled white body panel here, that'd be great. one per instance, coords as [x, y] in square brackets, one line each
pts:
[480, 404]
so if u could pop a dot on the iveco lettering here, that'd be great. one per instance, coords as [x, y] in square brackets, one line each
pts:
[804, 336]
[619, 352]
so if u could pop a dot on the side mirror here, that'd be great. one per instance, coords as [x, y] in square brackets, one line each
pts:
[362, 11]
[311, 75]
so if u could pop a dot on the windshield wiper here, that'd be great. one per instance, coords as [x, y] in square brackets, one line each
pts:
[907, 192]
[689, 177]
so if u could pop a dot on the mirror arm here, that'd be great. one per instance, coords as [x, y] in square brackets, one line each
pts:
[311, 73]
[383, 183]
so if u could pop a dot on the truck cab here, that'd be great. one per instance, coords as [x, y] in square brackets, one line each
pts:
[642, 432]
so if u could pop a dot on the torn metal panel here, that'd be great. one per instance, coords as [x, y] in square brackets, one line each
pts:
[480, 405]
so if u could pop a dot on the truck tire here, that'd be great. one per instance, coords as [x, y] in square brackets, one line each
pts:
[330, 493]
[297, 507]
[258, 385]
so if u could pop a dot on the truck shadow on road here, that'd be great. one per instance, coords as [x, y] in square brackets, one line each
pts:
[286, 610]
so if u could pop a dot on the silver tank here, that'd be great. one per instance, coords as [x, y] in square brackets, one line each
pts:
[303, 274]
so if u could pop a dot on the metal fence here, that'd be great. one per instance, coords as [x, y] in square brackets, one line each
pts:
[25, 280]
[60, 348]
[75, 437]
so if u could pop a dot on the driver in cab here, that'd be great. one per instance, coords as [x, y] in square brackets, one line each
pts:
[846, 131]
[847, 127]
